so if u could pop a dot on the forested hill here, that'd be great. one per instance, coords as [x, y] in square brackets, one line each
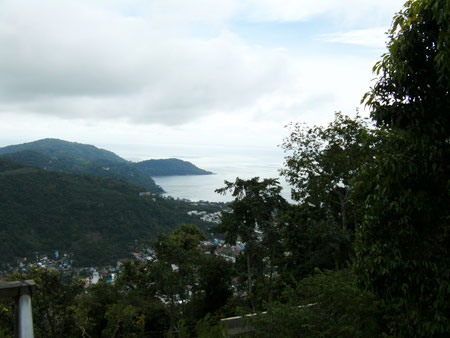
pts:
[77, 165]
[55, 148]
[95, 218]
[171, 166]
[72, 157]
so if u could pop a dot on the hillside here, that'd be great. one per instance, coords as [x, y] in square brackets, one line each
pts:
[77, 158]
[95, 218]
[171, 166]
[77, 165]
[55, 148]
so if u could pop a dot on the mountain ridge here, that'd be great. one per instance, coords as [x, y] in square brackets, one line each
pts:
[77, 158]
[56, 147]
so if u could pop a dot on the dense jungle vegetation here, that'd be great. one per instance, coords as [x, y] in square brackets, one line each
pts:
[94, 218]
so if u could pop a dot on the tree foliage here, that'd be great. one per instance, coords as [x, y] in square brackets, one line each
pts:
[310, 242]
[402, 244]
[322, 161]
[254, 204]
[325, 304]
[254, 208]
[412, 90]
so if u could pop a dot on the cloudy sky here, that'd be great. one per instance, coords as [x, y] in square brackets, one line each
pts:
[168, 73]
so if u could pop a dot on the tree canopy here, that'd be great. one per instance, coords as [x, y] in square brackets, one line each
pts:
[322, 161]
[253, 209]
[412, 90]
[403, 242]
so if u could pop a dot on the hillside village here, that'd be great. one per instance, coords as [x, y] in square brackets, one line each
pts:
[63, 261]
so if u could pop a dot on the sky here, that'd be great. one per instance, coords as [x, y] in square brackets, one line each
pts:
[162, 74]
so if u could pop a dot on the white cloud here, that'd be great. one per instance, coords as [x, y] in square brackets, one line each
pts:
[374, 37]
[75, 60]
[177, 71]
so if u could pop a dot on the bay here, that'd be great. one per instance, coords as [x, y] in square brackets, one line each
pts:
[226, 164]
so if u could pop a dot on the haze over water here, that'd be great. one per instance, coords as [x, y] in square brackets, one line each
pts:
[226, 163]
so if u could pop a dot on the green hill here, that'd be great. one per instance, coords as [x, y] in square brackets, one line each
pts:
[171, 166]
[55, 148]
[126, 171]
[95, 218]
[77, 158]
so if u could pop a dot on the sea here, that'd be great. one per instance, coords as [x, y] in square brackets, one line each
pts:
[226, 163]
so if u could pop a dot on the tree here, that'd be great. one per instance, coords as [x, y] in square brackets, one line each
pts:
[89, 314]
[403, 242]
[175, 271]
[138, 299]
[214, 287]
[322, 162]
[321, 165]
[254, 207]
[325, 304]
[123, 320]
[311, 242]
[412, 91]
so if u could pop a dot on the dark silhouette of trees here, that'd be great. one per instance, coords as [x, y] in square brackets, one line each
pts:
[403, 243]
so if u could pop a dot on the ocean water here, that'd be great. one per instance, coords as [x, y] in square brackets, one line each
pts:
[226, 163]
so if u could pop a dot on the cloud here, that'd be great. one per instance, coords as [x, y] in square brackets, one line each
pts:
[52, 49]
[374, 37]
[75, 60]
[148, 62]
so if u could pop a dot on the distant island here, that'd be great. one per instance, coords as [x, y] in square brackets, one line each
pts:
[76, 158]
